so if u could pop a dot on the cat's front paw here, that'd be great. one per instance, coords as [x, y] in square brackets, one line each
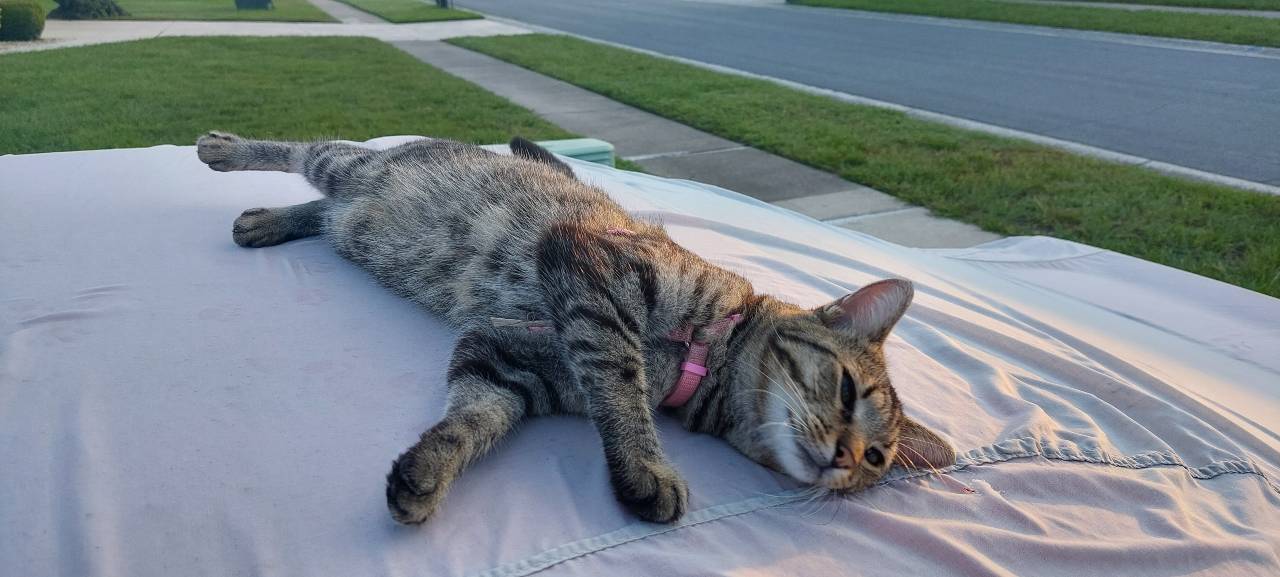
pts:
[653, 491]
[219, 151]
[412, 494]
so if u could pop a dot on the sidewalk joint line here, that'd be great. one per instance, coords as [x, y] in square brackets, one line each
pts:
[869, 215]
[680, 153]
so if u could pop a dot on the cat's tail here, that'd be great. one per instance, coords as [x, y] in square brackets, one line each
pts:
[529, 150]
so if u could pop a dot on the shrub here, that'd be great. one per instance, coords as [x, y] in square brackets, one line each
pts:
[87, 9]
[21, 20]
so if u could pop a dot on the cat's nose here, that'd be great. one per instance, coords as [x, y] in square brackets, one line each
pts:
[845, 457]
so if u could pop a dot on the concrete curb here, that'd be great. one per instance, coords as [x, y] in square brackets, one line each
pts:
[1067, 145]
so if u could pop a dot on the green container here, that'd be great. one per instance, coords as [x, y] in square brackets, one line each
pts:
[588, 149]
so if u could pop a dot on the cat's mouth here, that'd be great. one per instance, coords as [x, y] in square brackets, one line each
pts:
[820, 472]
[836, 479]
[808, 466]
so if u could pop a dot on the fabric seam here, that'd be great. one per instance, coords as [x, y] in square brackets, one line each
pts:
[549, 558]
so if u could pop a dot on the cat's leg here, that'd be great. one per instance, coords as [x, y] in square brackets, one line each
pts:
[599, 312]
[337, 169]
[496, 378]
[611, 372]
[259, 227]
[227, 152]
[479, 414]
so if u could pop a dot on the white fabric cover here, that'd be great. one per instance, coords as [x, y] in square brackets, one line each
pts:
[172, 404]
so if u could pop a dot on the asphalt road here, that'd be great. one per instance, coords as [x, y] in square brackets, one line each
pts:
[1182, 103]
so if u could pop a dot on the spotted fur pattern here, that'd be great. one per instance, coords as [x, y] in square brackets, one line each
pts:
[471, 235]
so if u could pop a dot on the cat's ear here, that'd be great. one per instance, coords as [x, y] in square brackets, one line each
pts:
[872, 311]
[920, 448]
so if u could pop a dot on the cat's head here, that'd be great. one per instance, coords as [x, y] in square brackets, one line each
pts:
[829, 415]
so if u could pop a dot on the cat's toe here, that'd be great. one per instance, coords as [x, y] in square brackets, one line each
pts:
[654, 492]
[217, 149]
[409, 501]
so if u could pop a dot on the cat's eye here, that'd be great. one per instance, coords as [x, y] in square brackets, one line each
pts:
[874, 456]
[848, 395]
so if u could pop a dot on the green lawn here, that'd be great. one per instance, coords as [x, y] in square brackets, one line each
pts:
[402, 11]
[285, 10]
[1239, 4]
[170, 90]
[1003, 185]
[1218, 28]
[624, 164]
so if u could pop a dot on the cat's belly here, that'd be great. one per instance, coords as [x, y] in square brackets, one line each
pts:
[465, 264]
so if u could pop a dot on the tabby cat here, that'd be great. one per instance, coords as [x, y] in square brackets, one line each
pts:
[568, 305]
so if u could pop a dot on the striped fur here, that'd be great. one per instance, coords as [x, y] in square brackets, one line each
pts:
[470, 235]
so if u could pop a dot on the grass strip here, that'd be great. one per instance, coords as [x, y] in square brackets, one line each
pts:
[404, 11]
[1223, 4]
[1231, 29]
[1003, 185]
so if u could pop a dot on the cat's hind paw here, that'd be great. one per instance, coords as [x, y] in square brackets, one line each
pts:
[654, 492]
[259, 227]
[220, 150]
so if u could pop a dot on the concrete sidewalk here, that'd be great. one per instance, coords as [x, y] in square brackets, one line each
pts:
[346, 13]
[668, 148]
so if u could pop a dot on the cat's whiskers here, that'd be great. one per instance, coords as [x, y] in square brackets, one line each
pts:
[790, 389]
[933, 469]
[795, 408]
[835, 509]
[819, 501]
[801, 494]
[861, 497]
[793, 390]
[792, 408]
[809, 494]
[790, 423]
[925, 441]
[787, 424]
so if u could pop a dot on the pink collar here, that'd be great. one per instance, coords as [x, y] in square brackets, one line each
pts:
[691, 370]
[694, 366]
